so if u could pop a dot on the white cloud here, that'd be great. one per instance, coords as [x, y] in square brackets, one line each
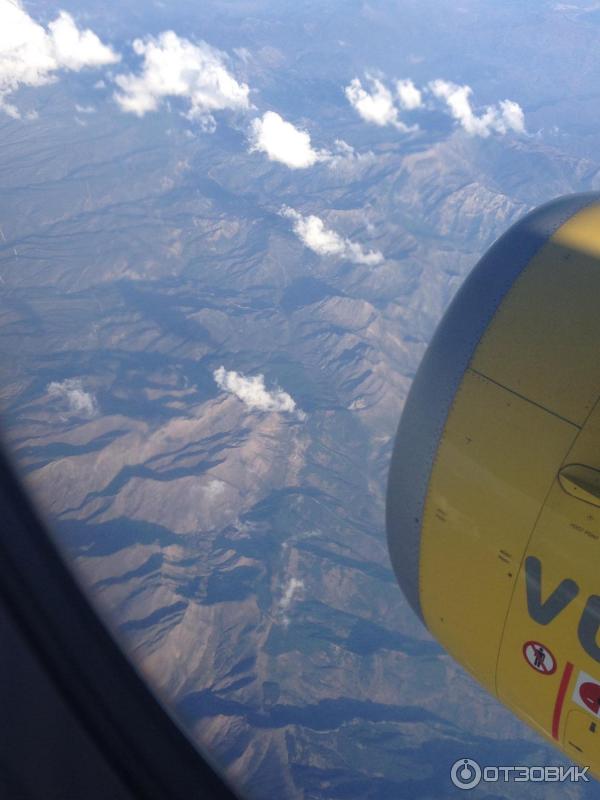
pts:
[344, 150]
[513, 115]
[72, 394]
[30, 55]
[283, 142]
[294, 586]
[252, 391]
[312, 232]
[175, 67]
[345, 158]
[377, 105]
[507, 115]
[409, 96]
[214, 489]
[74, 49]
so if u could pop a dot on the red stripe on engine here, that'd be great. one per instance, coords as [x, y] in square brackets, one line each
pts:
[560, 698]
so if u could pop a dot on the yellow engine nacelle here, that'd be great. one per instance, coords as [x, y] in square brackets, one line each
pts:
[493, 506]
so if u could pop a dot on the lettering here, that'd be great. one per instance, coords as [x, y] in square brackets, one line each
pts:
[544, 613]
[588, 627]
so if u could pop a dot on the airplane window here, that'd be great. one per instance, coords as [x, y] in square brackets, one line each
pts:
[228, 231]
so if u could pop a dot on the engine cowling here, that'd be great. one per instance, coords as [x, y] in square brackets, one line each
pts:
[493, 503]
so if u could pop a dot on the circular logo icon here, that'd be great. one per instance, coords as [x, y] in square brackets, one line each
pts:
[539, 657]
[465, 773]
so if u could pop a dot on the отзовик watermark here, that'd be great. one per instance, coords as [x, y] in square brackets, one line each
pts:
[467, 774]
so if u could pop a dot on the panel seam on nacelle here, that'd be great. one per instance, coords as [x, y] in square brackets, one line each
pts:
[524, 397]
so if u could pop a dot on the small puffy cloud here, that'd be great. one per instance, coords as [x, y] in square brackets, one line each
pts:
[344, 150]
[214, 489]
[295, 585]
[31, 55]
[375, 104]
[409, 96]
[344, 158]
[505, 116]
[175, 67]
[283, 142]
[252, 391]
[74, 398]
[312, 232]
[74, 49]
[513, 115]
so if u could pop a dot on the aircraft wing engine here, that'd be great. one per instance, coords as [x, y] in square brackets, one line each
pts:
[493, 504]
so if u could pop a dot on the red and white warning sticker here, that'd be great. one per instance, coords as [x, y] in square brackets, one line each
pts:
[587, 693]
[539, 657]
